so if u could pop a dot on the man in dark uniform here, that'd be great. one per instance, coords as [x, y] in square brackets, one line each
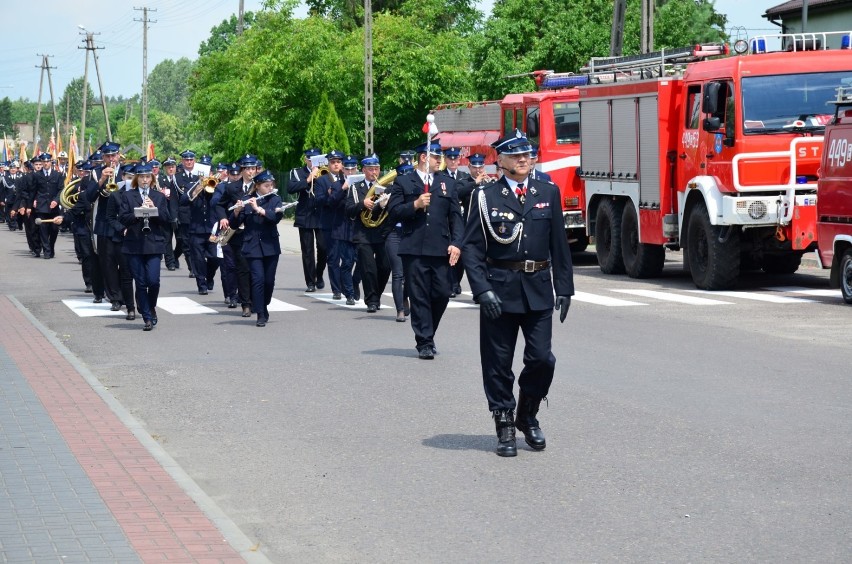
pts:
[514, 245]
[10, 181]
[308, 215]
[186, 178]
[168, 183]
[47, 185]
[228, 197]
[464, 187]
[329, 193]
[205, 263]
[370, 237]
[536, 174]
[228, 264]
[26, 195]
[78, 218]
[98, 195]
[426, 203]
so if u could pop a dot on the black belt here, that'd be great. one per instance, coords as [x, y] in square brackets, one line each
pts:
[522, 265]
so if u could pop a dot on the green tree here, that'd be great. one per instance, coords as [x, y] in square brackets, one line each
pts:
[166, 132]
[168, 87]
[334, 136]
[6, 122]
[315, 133]
[72, 100]
[222, 35]
[129, 132]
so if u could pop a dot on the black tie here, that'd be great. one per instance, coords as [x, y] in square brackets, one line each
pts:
[522, 193]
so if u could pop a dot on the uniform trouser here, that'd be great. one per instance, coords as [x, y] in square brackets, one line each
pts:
[33, 233]
[146, 274]
[497, 341]
[95, 268]
[78, 252]
[204, 260]
[262, 283]
[125, 274]
[456, 274]
[48, 232]
[375, 269]
[182, 236]
[332, 262]
[340, 264]
[428, 282]
[397, 277]
[169, 255]
[2, 213]
[243, 272]
[313, 263]
[109, 264]
[12, 222]
[83, 244]
[229, 273]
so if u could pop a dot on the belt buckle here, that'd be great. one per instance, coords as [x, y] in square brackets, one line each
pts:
[529, 266]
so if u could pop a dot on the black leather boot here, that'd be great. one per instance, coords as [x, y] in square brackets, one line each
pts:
[527, 423]
[505, 424]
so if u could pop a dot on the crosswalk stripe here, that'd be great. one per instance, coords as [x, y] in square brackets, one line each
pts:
[327, 298]
[677, 298]
[182, 306]
[278, 305]
[756, 296]
[85, 308]
[817, 292]
[603, 300]
[453, 304]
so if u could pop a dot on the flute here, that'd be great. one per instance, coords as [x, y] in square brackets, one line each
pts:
[258, 198]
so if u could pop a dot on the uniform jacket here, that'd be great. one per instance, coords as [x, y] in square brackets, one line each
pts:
[95, 196]
[354, 207]
[308, 213]
[426, 232]
[538, 175]
[10, 183]
[78, 216]
[136, 242]
[25, 191]
[185, 181]
[46, 189]
[201, 213]
[334, 200]
[260, 236]
[543, 238]
[324, 189]
[229, 195]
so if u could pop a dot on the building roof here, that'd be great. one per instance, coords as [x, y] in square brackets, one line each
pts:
[795, 6]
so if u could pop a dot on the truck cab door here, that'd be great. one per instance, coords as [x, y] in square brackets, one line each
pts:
[690, 161]
[718, 130]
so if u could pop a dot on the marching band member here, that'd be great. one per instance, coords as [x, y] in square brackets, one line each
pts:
[205, 263]
[370, 239]
[400, 295]
[228, 266]
[11, 181]
[426, 203]
[452, 157]
[115, 242]
[185, 178]
[329, 192]
[98, 195]
[26, 190]
[308, 220]
[515, 253]
[232, 193]
[173, 191]
[144, 242]
[260, 244]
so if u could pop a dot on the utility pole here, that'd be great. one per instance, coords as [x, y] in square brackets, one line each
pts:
[240, 20]
[145, 21]
[90, 46]
[50, 86]
[647, 26]
[616, 39]
[368, 77]
[67, 117]
[38, 108]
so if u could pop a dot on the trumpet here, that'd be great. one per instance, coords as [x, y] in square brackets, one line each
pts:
[110, 187]
[380, 198]
[206, 184]
[257, 199]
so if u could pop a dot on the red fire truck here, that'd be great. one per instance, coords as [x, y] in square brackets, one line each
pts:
[712, 153]
[550, 118]
[834, 197]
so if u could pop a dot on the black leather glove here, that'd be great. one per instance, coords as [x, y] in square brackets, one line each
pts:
[562, 304]
[489, 304]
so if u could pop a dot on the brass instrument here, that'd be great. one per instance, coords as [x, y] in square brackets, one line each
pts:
[206, 184]
[223, 237]
[70, 194]
[110, 187]
[367, 215]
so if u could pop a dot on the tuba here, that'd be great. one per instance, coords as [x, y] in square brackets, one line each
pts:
[367, 218]
[70, 194]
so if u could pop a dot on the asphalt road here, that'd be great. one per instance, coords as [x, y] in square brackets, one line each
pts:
[676, 431]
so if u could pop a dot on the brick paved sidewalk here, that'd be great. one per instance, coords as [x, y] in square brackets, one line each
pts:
[76, 485]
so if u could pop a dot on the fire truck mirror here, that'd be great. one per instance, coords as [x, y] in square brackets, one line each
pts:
[712, 124]
[710, 103]
[532, 125]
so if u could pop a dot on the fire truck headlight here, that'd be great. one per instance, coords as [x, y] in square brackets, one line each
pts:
[757, 209]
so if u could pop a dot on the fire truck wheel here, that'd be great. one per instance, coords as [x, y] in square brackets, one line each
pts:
[846, 276]
[608, 237]
[641, 260]
[781, 264]
[579, 245]
[714, 264]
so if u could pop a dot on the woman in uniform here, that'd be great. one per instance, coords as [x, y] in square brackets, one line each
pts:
[261, 248]
[144, 240]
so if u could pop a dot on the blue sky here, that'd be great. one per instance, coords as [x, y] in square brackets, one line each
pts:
[179, 29]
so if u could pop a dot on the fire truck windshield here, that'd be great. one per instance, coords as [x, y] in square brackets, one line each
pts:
[790, 103]
[566, 120]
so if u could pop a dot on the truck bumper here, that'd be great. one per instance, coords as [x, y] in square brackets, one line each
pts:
[574, 219]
